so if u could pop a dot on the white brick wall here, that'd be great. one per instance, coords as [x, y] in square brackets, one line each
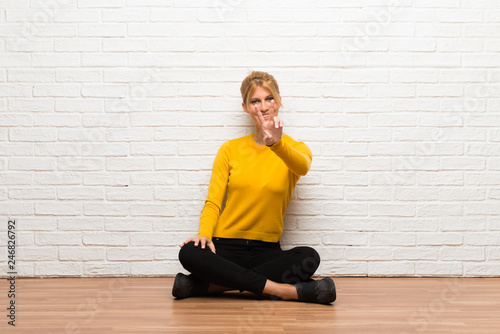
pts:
[111, 113]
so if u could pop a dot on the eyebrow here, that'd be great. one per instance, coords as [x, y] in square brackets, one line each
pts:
[256, 98]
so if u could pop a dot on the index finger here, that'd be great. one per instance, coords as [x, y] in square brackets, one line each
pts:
[259, 116]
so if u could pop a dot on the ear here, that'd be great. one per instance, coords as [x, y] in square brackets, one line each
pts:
[244, 107]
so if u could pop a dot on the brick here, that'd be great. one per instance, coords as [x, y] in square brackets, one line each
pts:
[129, 254]
[82, 253]
[32, 193]
[58, 238]
[47, 268]
[105, 239]
[54, 208]
[106, 209]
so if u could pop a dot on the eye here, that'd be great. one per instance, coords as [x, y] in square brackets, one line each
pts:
[254, 101]
[270, 98]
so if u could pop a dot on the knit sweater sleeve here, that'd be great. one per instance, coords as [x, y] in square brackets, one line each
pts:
[296, 155]
[216, 191]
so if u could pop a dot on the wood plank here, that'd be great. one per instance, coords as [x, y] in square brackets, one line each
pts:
[145, 305]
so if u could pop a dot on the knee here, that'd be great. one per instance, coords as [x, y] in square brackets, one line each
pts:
[187, 253]
[311, 259]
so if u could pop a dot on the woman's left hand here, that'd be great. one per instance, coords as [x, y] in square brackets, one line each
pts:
[272, 128]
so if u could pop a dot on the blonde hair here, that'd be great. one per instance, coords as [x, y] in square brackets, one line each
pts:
[259, 79]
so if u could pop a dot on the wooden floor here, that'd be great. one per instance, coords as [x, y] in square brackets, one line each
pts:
[145, 305]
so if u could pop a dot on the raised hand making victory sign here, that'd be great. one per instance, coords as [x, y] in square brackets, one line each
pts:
[272, 127]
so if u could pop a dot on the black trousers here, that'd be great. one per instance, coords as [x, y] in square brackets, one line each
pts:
[242, 264]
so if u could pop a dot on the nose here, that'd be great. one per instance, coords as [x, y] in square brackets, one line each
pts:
[265, 106]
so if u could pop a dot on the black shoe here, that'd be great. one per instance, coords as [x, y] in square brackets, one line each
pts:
[320, 291]
[188, 286]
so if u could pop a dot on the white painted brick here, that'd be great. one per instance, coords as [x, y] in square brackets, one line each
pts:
[430, 239]
[463, 224]
[55, 30]
[95, 149]
[440, 178]
[129, 254]
[436, 210]
[153, 239]
[129, 194]
[178, 163]
[167, 209]
[104, 60]
[493, 253]
[415, 253]
[77, 16]
[344, 178]
[129, 134]
[56, 91]
[174, 15]
[32, 193]
[54, 208]
[344, 209]
[128, 224]
[367, 164]
[102, 30]
[415, 224]
[129, 164]
[101, 3]
[79, 164]
[462, 254]
[31, 105]
[106, 179]
[96, 269]
[56, 268]
[82, 253]
[16, 90]
[76, 45]
[58, 238]
[459, 44]
[364, 194]
[344, 268]
[35, 254]
[104, 91]
[56, 60]
[153, 178]
[397, 210]
[30, 75]
[16, 208]
[368, 254]
[80, 193]
[393, 239]
[77, 105]
[56, 178]
[481, 269]
[438, 268]
[177, 194]
[125, 15]
[393, 149]
[367, 224]
[79, 224]
[106, 209]
[151, 3]
[32, 163]
[392, 268]
[454, 194]
[105, 239]
[326, 164]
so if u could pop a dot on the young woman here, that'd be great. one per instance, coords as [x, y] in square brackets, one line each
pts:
[239, 248]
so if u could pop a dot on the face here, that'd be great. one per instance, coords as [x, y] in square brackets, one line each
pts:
[261, 98]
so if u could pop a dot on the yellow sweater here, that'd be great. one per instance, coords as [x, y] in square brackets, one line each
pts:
[259, 182]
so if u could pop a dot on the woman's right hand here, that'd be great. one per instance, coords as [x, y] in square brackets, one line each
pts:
[204, 241]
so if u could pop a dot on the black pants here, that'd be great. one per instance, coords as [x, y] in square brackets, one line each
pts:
[242, 264]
